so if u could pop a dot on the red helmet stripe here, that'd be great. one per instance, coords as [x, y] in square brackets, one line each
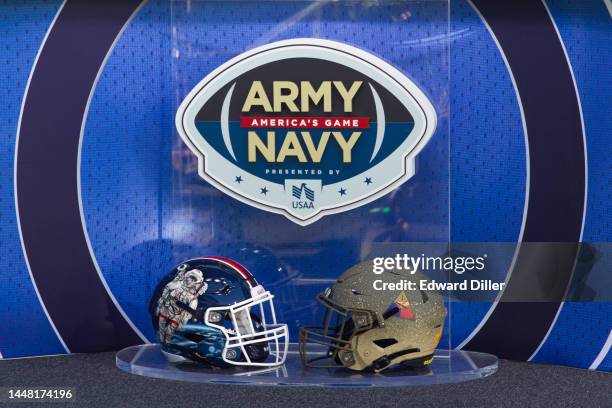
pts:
[244, 272]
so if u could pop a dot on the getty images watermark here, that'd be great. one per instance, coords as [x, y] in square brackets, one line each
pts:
[449, 264]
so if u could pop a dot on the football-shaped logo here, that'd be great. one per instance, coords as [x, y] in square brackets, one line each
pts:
[306, 127]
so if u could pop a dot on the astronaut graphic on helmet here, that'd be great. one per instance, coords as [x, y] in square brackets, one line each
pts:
[179, 296]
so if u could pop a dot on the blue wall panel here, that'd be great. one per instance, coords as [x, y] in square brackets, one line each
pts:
[125, 162]
[139, 226]
[582, 328]
[25, 329]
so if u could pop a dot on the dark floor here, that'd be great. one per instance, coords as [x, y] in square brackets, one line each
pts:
[99, 383]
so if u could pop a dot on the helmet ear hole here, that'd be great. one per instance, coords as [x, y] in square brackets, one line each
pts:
[384, 343]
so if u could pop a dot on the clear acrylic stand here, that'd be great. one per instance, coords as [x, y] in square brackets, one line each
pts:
[301, 260]
[448, 366]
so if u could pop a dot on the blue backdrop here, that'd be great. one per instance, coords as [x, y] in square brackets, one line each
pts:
[144, 208]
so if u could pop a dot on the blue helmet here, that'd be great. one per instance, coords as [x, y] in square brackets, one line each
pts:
[212, 310]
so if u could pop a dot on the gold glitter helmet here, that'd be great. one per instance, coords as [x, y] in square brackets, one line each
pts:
[365, 328]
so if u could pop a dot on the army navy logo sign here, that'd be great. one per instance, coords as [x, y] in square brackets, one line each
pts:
[306, 127]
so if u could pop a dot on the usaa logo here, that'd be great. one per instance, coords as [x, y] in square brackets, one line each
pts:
[297, 194]
[306, 127]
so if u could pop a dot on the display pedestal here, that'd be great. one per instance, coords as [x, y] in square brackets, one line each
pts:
[448, 366]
